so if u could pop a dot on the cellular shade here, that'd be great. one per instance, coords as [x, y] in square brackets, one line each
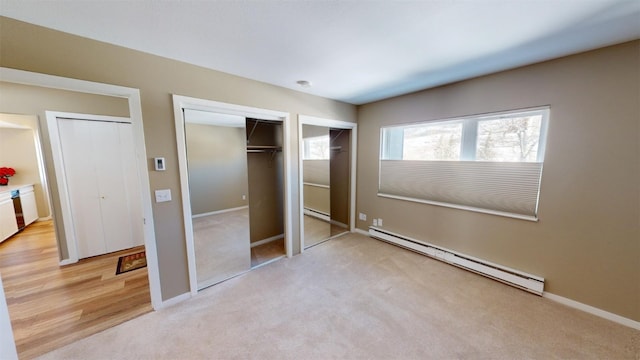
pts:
[316, 172]
[496, 187]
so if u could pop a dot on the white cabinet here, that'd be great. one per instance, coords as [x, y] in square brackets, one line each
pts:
[8, 223]
[29, 207]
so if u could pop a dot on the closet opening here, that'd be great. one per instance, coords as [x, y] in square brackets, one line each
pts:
[327, 153]
[233, 171]
[265, 164]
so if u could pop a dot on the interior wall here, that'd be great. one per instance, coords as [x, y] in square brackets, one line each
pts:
[18, 151]
[340, 171]
[217, 163]
[266, 188]
[317, 198]
[587, 242]
[33, 100]
[28, 47]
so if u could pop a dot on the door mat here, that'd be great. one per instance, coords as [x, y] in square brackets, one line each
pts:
[131, 262]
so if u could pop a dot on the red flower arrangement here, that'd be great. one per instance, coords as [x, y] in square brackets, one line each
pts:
[5, 174]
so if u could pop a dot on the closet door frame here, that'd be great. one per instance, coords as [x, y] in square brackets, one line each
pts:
[333, 124]
[184, 102]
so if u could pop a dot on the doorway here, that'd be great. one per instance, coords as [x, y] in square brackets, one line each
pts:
[132, 102]
[51, 305]
[327, 179]
[251, 165]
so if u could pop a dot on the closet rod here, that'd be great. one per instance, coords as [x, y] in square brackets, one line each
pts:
[263, 150]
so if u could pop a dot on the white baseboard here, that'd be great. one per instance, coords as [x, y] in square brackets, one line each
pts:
[361, 232]
[268, 262]
[174, 300]
[339, 224]
[593, 310]
[219, 212]
[267, 240]
[66, 262]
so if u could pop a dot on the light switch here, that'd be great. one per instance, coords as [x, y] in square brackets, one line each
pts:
[163, 195]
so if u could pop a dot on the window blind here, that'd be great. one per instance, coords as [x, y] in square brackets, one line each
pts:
[315, 172]
[506, 188]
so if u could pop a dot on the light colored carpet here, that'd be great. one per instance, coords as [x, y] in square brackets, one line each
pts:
[222, 246]
[316, 231]
[355, 297]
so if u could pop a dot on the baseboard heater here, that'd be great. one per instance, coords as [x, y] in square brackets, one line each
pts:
[317, 214]
[530, 283]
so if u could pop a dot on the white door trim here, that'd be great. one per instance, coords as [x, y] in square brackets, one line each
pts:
[334, 124]
[184, 102]
[7, 343]
[135, 114]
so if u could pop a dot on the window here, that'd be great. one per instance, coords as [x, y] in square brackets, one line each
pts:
[514, 138]
[432, 142]
[488, 163]
[316, 148]
[504, 137]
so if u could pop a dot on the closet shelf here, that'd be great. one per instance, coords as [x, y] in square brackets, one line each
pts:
[263, 148]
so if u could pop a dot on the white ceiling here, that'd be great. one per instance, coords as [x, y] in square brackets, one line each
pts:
[354, 51]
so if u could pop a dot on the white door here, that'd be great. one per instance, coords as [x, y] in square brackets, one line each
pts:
[99, 165]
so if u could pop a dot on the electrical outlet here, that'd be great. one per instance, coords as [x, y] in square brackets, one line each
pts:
[244, 197]
[362, 217]
[375, 222]
[380, 222]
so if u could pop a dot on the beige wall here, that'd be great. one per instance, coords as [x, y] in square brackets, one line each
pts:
[37, 49]
[33, 100]
[340, 171]
[266, 196]
[217, 162]
[317, 198]
[18, 151]
[587, 242]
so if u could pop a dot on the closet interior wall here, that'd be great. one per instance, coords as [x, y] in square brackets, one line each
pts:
[265, 163]
[340, 144]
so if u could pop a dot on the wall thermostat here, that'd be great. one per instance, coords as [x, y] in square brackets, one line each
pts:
[159, 163]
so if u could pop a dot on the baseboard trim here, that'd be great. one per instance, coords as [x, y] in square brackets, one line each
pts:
[67, 262]
[593, 310]
[268, 262]
[339, 224]
[267, 240]
[219, 212]
[174, 300]
[361, 232]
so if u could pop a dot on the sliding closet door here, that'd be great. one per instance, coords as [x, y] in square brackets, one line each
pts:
[316, 184]
[218, 186]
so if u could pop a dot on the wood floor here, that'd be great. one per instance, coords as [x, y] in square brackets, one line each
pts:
[51, 306]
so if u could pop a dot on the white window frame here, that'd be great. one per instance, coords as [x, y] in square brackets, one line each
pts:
[470, 130]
